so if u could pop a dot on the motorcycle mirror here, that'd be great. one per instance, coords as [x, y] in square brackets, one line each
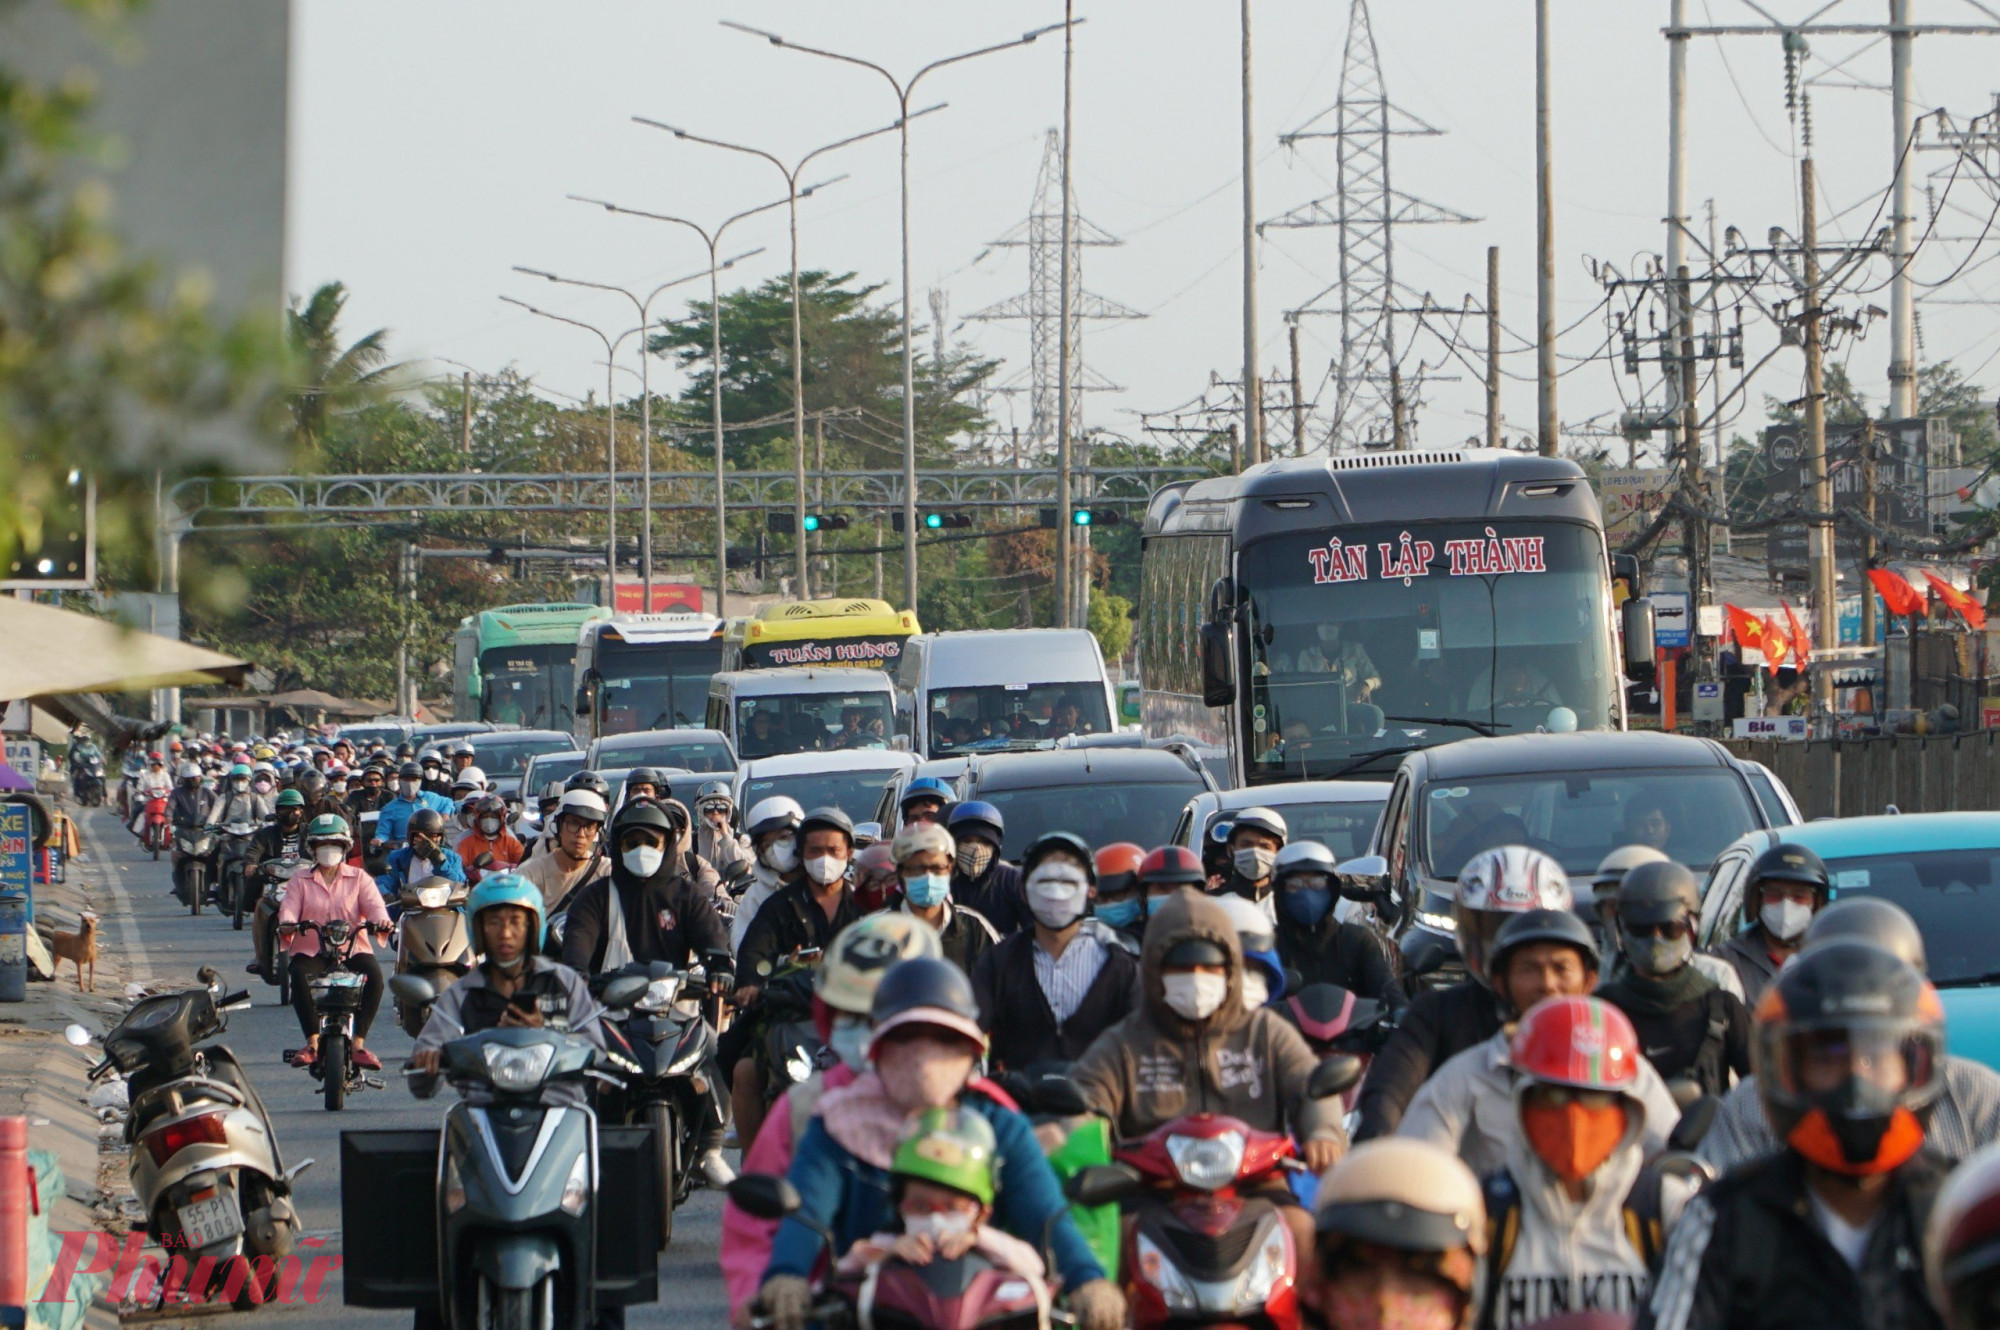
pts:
[764, 1196]
[484, 861]
[1336, 1075]
[413, 989]
[1363, 879]
[1103, 1184]
[623, 991]
[1060, 1095]
[1423, 952]
[1696, 1119]
[76, 1036]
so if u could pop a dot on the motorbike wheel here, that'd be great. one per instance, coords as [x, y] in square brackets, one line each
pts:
[284, 967]
[514, 1308]
[667, 1142]
[333, 1069]
[153, 844]
[197, 887]
[232, 887]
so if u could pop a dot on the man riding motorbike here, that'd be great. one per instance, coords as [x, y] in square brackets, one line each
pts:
[772, 826]
[924, 799]
[188, 810]
[1785, 887]
[239, 803]
[576, 855]
[1118, 902]
[923, 853]
[1256, 836]
[284, 838]
[423, 855]
[393, 820]
[1311, 938]
[1401, 1227]
[715, 840]
[332, 889]
[980, 878]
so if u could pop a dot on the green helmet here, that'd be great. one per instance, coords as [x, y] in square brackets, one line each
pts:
[291, 799]
[329, 826]
[241, 771]
[507, 889]
[952, 1147]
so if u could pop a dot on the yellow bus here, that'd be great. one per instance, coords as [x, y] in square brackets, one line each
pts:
[858, 633]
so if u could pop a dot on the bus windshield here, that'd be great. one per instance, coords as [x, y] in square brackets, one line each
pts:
[653, 685]
[532, 686]
[1380, 639]
[775, 723]
[1007, 715]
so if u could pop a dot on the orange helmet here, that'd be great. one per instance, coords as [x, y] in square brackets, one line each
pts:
[1116, 864]
[1172, 865]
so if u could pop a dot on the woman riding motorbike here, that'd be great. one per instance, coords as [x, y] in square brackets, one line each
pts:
[332, 889]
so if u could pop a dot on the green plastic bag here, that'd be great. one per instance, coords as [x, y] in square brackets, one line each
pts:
[1089, 1143]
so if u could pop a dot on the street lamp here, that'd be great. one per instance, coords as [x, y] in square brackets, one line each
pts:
[611, 345]
[903, 91]
[644, 308]
[791, 175]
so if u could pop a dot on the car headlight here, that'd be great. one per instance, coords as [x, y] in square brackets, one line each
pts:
[518, 1068]
[1270, 1265]
[1208, 1162]
[1154, 1267]
[576, 1191]
[433, 898]
[660, 994]
[1442, 923]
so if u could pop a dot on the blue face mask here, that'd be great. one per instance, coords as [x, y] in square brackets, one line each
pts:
[1121, 913]
[1307, 905]
[926, 891]
[1153, 903]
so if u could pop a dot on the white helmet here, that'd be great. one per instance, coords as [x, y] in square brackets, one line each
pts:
[780, 812]
[471, 776]
[1611, 870]
[1496, 883]
[189, 771]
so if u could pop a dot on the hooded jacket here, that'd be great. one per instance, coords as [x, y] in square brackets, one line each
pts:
[997, 894]
[1751, 959]
[668, 917]
[1154, 1066]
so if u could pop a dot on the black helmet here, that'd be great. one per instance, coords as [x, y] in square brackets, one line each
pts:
[410, 770]
[312, 782]
[821, 819]
[1866, 1001]
[1195, 951]
[406, 749]
[652, 776]
[1066, 841]
[1542, 926]
[923, 981]
[589, 780]
[1658, 893]
[426, 822]
[643, 813]
[1783, 863]
[1870, 919]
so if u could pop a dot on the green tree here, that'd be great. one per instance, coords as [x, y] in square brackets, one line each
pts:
[331, 379]
[1111, 623]
[1943, 392]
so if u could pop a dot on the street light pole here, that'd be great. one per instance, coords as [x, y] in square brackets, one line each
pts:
[791, 175]
[903, 90]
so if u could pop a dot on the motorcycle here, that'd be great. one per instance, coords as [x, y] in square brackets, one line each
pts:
[156, 834]
[337, 996]
[433, 942]
[192, 848]
[204, 1153]
[86, 780]
[788, 1045]
[274, 873]
[239, 852]
[672, 1090]
[503, 1223]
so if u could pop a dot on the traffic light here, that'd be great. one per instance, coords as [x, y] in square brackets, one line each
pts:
[785, 524]
[935, 521]
[1047, 517]
[57, 544]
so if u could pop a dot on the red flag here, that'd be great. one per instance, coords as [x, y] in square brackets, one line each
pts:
[1963, 605]
[1801, 642]
[1897, 594]
[1776, 646]
[1745, 627]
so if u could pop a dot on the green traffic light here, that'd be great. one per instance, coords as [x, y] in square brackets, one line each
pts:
[1081, 517]
[933, 520]
[812, 521]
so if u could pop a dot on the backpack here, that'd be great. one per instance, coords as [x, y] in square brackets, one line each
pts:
[1641, 1211]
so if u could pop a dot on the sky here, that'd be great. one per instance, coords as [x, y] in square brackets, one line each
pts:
[434, 142]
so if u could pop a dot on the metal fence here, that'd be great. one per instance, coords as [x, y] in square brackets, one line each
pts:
[1938, 773]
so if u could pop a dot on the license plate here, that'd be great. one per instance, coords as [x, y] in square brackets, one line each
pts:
[204, 1222]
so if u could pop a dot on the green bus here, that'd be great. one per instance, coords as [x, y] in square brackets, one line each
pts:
[517, 664]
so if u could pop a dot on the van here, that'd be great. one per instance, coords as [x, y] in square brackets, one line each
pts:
[991, 691]
[768, 712]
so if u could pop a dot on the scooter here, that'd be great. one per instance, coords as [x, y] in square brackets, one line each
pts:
[788, 1043]
[337, 996]
[156, 834]
[86, 780]
[432, 942]
[204, 1153]
[239, 849]
[192, 847]
[274, 873]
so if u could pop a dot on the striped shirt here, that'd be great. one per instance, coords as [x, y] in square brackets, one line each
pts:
[1065, 979]
[1966, 1116]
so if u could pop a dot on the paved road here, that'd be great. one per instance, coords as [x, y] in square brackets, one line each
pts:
[176, 944]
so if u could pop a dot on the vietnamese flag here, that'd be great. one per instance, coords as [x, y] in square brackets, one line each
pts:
[1963, 605]
[1745, 627]
[1776, 645]
[1801, 642]
[1897, 594]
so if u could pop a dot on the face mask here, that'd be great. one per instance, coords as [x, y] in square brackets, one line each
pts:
[328, 856]
[644, 860]
[1153, 903]
[1121, 913]
[489, 826]
[1573, 1140]
[782, 857]
[1194, 996]
[1256, 989]
[939, 1225]
[1306, 905]
[923, 1073]
[826, 870]
[849, 1042]
[1057, 894]
[1658, 956]
[1786, 920]
[974, 857]
[239, 785]
[926, 890]
[1389, 1299]
[289, 819]
[1254, 864]
[407, 788]
[261, 786]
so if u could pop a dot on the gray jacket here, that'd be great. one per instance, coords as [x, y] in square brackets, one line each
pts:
[1752, 962]
[569, 1008]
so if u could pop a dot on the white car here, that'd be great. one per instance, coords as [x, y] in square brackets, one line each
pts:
[851, 781]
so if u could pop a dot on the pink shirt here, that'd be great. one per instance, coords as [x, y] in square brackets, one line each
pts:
[352, 896]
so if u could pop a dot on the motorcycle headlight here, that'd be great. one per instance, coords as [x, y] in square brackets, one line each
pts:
[1271, 1264]
[685, 1060]
[1161, 1273]
[433, 898]
[576, 1191]
[1441, 923]
[517, 1068]
[660, 994]
[1208, 1162]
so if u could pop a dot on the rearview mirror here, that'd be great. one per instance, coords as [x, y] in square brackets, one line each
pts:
[1218, 665]
[1696, 1119]
[1424, 952]
[1636, 620]
[1103, 1184]
[413, 989]
[623, 991]
[484, 860]
[1335, 1075]
[1363, 879]
[764, 1196]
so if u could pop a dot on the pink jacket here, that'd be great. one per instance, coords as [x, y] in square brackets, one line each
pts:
[746, 1242]
[353, 896]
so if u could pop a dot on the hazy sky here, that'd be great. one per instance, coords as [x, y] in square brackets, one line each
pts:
[435, 141]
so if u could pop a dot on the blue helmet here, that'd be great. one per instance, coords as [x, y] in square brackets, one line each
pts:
[507, 889]
[925, 787]
[975, 815]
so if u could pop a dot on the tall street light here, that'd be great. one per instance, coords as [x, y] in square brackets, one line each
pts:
[903, 91]
[791, 174]
[611, 345]
[713, 239]
[645, 309]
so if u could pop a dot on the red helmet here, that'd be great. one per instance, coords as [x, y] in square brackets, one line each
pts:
[1962, 1241]
[1116, 863]
[1583, 1042]
[1172, 865]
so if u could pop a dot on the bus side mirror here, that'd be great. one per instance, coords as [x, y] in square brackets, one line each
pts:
[1637, 623]
[1129, 693]
[1218, 666]
[586, 692]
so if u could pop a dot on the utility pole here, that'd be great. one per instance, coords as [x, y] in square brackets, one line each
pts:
[1826, 628]
[819, 491]
[1298, 399]
[1548, 426]
[1399, 438]
[1492, 346]
[465, 417]
[1064, 497]
[1253, 399]
[1692, 471]
[1868, 536]
[1902, 291]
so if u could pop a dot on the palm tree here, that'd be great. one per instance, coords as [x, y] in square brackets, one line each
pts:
[332, 380]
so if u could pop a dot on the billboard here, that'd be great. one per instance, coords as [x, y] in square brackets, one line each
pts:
[1906, 450]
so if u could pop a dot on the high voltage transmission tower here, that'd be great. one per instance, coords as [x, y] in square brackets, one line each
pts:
[1370, 406]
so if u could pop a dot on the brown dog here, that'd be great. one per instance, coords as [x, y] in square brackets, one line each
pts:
[81, 947]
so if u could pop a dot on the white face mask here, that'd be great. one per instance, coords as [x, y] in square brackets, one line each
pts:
[1195, 996]
[239, 784]
[406, 788]
[1254, 863]
[1786, 919]
[1256, 989]
[644, 860]
[1057, 894]
[489, 826]
[329, 856]
[938, 1225]
[849, 1041]
[781, 857]
[825, 869]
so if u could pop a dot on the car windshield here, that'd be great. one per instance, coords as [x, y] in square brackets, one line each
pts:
[1581, 816]
[1380, 638]
[1344, 828]
[774, 724]
[853, 792]
[510, 757]
[1004, 715]
[706, 755]
[1143, 813]
[546, 769]
[1954, 895]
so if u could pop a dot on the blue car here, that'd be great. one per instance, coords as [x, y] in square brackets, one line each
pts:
[1944, 868]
